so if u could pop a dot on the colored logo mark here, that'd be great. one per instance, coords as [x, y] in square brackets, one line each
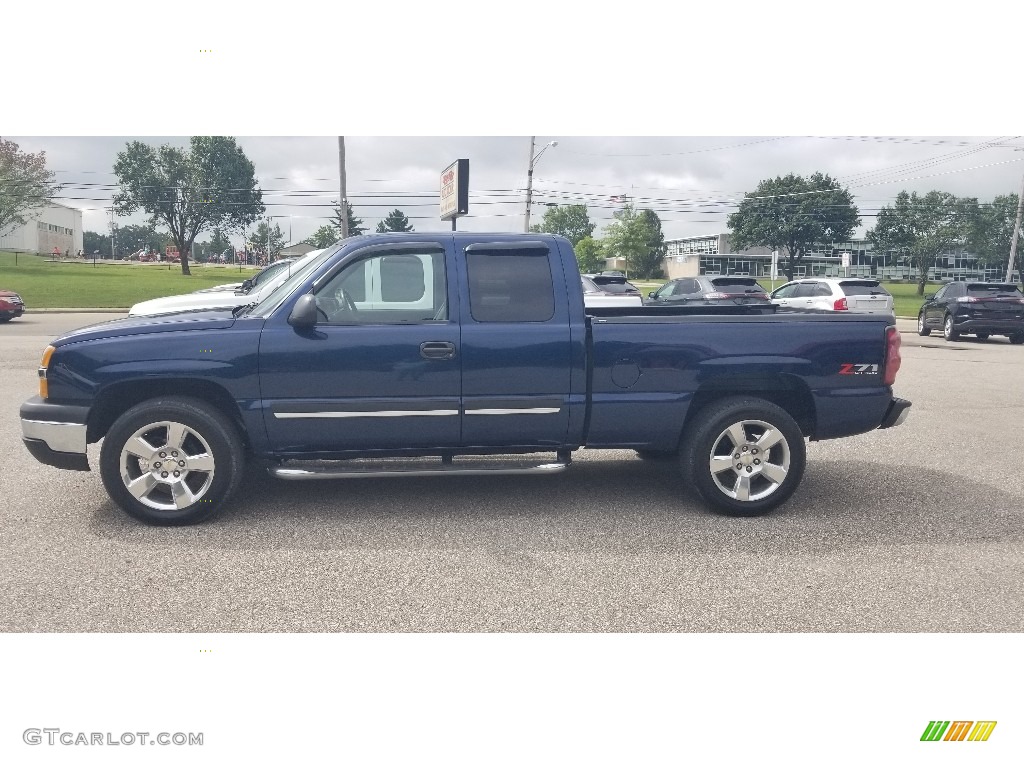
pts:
[958, 730]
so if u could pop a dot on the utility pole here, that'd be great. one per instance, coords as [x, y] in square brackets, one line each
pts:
[1016, 231]
[344, 197]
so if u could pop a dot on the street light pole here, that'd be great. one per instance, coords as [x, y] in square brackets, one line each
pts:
[529, 177]
[344, 193]
[1016, 231]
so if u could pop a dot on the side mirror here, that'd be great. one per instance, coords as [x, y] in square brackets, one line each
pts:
[247, 285]
[929, 296]
[652, 295]
[303, 314]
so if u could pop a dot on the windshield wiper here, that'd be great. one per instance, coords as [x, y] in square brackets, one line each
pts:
[243, 309]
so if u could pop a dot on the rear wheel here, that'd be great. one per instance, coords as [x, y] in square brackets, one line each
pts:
[743, 455]
[922, 330]
[982, 336]
[172, 461]
[948, 332]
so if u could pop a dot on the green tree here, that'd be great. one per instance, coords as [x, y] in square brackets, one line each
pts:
[258, 239]
[570, 221]
[134, 237]
[791, 214]
[25, 185]
[94, 241]
[324, 237]
[213, 184]
[355, 226]
[991, 230]
[921, 228]
[627, 238]
[396, 221]
[219, 242]
[590, 255]
[650, 264]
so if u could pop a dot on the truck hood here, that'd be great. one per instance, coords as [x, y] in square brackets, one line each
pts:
[203, 320]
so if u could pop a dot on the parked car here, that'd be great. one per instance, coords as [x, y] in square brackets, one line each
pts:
[983, 309]
[220, 299]
[609, 291]
[709, 289]
[256, 281]
[842, 294]
[11, 306]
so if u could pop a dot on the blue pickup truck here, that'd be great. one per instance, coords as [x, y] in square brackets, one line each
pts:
[453, 354]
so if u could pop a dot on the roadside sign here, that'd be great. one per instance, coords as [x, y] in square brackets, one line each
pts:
[775, 265]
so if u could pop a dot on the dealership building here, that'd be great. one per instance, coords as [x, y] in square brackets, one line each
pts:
[714, 255]
[53, 226]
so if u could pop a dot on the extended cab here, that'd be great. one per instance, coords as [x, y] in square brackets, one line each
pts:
[434, 353]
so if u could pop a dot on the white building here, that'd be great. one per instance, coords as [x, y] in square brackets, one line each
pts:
[53, 226]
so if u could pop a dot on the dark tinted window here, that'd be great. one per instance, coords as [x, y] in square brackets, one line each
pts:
[510, 287]
[804, 290]
[615, 287]
[609, 279]
[862, 288]
[684, 287]
[994, 290]
[823, 289]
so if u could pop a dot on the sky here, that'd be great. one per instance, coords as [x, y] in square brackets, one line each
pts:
[693, 183]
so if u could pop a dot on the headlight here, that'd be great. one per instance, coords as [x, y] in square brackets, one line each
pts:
[43, 365]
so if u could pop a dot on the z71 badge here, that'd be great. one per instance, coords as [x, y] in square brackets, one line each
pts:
[857, 369]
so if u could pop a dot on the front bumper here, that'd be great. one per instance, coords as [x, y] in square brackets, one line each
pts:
[55, 434]
[897, 413]
[10, 309]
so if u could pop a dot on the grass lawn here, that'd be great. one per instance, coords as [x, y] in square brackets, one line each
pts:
[44, 284]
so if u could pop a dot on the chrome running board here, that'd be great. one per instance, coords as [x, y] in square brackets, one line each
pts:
[465, 466]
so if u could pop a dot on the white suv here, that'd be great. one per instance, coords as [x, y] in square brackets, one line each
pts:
[842, 294]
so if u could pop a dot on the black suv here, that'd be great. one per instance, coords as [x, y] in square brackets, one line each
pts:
[979, 308]
[709, 289]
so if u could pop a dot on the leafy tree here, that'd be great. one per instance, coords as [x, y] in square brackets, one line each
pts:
[219, 242]
[791, 214]
[396, 221]
[134, 237]
[991, 230]
[355, 226]
[258, 239]
[653, 258]
[570, 221]
[590, 255]
[324, 237]
[94, 241]
[921, 228]
[627, 237]
[25, 185]
[212, 185]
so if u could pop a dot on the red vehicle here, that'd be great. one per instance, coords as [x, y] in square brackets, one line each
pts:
[11, 306]
[172, 255]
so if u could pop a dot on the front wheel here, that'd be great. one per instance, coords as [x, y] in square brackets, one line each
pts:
[948, 332]
[922, 329]
[172, 461]
[744, 455]
[982, 336]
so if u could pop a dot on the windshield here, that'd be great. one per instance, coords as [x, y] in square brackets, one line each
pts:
[299, 272]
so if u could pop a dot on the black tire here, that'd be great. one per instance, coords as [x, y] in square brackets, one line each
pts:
[948, 332]
[1017, 338]
[6, 319]
[982, 336]
[204, 447]
[922, 329]
[707, 435]
[657, 455]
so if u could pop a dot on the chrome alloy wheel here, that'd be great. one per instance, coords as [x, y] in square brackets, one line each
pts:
[167, 465]
[920, 323]
[749, 460]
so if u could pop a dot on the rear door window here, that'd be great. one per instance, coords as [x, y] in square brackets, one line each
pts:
[510, 286]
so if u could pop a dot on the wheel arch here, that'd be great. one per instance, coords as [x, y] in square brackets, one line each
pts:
[117, 398]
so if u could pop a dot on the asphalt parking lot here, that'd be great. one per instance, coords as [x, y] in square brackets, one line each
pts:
[916, 528]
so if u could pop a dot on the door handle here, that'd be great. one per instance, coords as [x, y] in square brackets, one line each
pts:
[437, 350]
